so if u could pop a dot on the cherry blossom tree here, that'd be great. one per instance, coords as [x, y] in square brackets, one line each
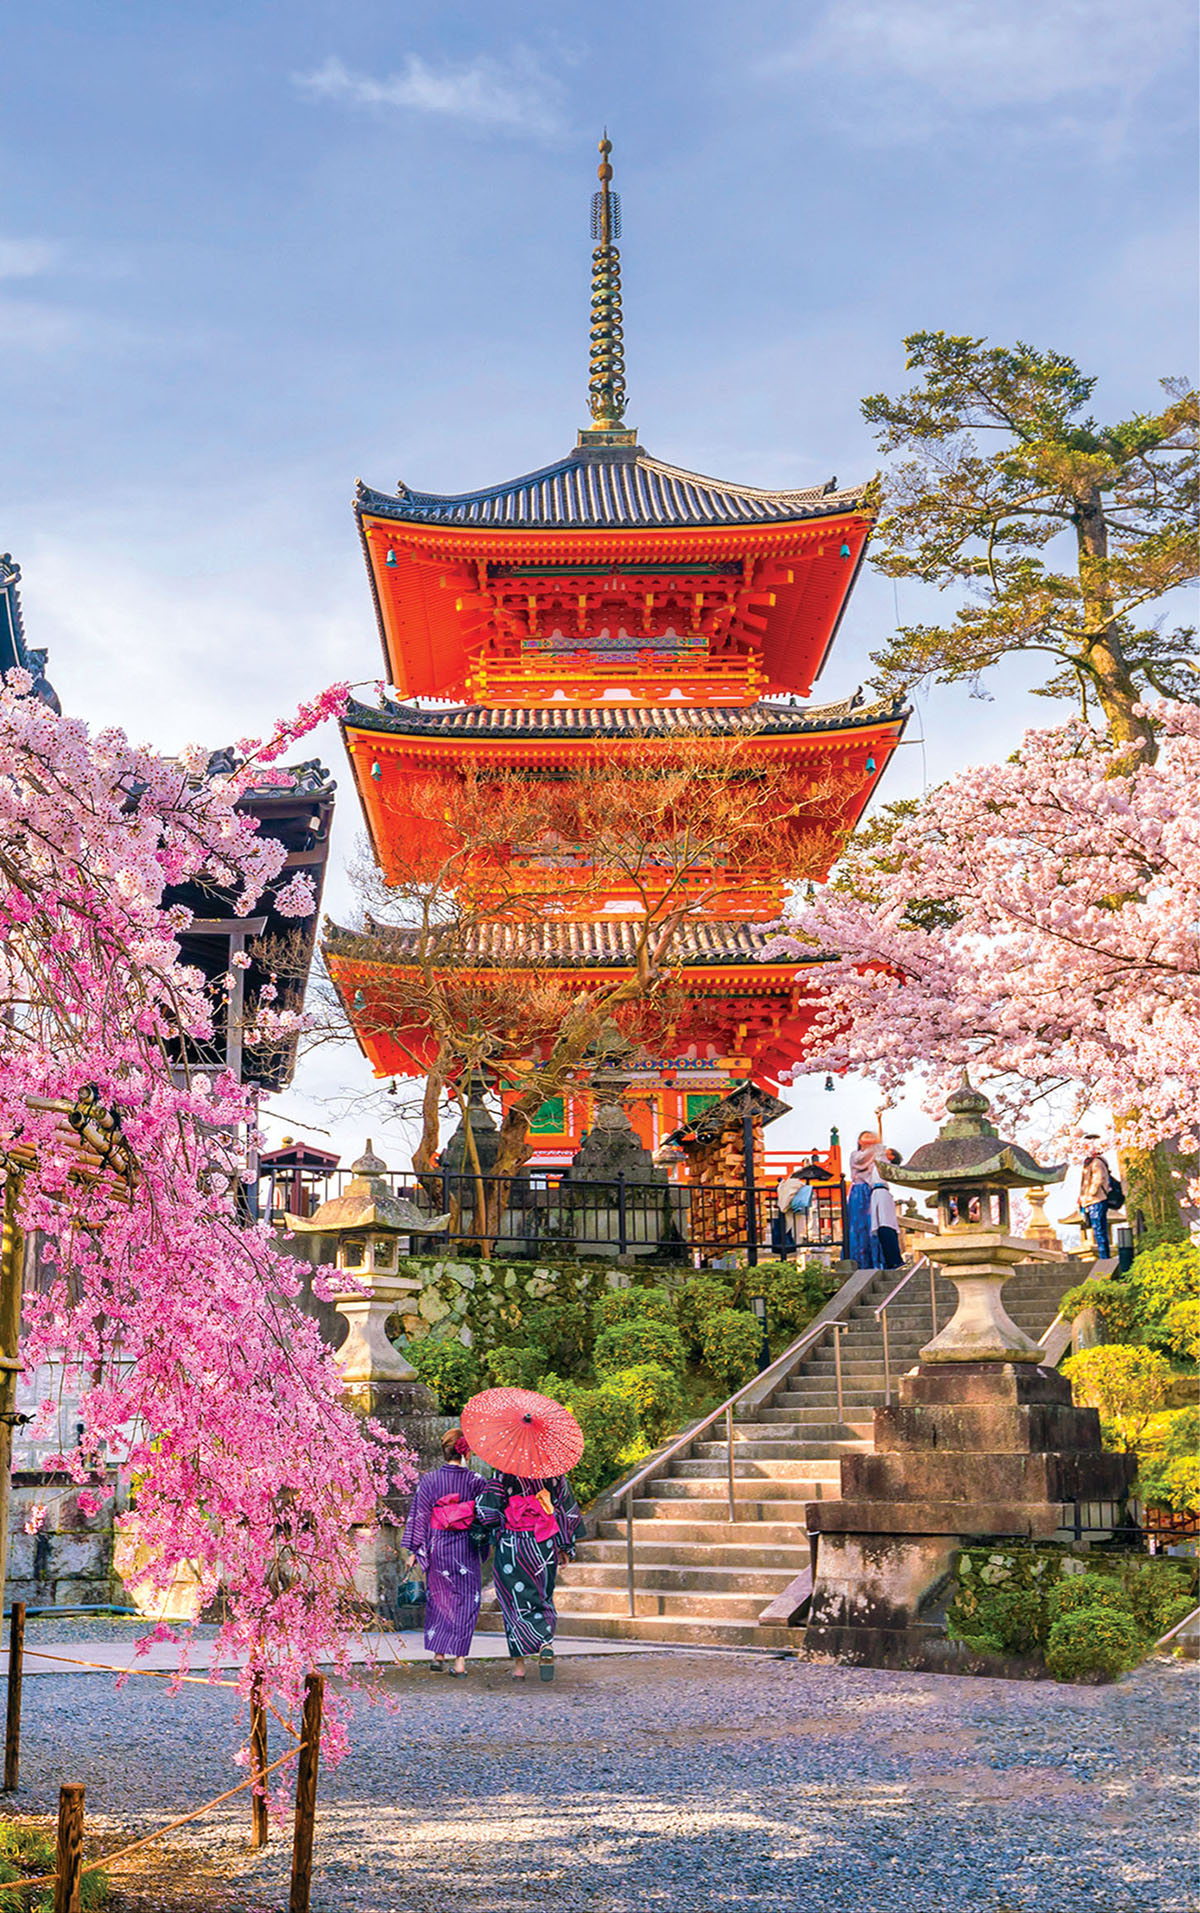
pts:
[1037, 921]
[172, 1307]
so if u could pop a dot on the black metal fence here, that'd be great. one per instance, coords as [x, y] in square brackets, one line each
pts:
[542, 1211]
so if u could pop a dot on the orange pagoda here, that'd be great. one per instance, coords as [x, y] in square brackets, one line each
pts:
[613, 604]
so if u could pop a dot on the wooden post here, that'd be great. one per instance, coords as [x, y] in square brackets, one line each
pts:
[306, 1795]
[12, 1721]
[258, 1764]
[69, 1861]
[12, 1262]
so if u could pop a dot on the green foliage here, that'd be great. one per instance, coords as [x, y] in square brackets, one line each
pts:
[449, 1369]
[656, 1396]
[609, 1424]
[999, 1620]
[1166, 1275]
[700, 1297]
[640, 1339]
[795, 1292]
[1093, 1644]
[516, 1365]
[1125, 1382]
[732, 1344]
[28, 1852]
[1088, 1591]
[564, 1330]
[634, 1304]
[1117, 1305]
[1169, 1456]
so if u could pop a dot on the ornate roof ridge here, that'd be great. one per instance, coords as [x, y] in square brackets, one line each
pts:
[597, 942]
[767, 717]
[620, 485]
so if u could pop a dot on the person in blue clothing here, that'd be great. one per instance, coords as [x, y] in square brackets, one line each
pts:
[1095, 1191]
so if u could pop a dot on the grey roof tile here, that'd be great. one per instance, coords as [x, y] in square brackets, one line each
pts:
[590, 945]
[623, 720]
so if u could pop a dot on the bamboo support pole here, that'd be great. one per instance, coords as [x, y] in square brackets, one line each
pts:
[12, 1718]
[258, 1764]
[306, 1795]
[68, 1865]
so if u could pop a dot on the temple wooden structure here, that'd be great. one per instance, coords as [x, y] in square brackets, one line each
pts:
[612, 606]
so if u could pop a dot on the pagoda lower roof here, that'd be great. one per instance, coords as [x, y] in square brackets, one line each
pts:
[597, 944]
[610, 485]
[621, 720]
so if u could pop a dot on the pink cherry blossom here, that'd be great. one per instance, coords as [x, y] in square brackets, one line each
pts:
[1070, 973]
[174, 1314]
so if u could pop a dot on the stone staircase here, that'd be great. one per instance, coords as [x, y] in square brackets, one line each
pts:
[699, 1578]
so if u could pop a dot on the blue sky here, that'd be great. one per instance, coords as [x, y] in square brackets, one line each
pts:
[250, 252]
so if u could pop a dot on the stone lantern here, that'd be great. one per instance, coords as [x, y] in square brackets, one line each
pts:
[370, 1228]
[969, 1172]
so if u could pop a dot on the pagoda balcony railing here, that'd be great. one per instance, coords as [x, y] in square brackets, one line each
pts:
[544, 1211]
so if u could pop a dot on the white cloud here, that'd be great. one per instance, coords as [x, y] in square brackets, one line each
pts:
[514, 96]
[25, 258]
[975, 53]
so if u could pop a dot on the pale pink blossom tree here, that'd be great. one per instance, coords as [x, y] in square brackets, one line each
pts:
[1036, 921]
[175, 1311]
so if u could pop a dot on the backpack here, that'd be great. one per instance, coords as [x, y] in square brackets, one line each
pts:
[1116, 1193]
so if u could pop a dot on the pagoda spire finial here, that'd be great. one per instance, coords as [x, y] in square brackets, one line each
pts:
[606, 384]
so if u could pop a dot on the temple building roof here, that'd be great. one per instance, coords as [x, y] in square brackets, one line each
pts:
[611, 486]
[622, 720]
[599, 944]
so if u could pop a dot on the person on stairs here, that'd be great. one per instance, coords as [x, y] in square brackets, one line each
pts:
[885, 1227]
[1095, 1192]
[858, 1201]
[438, 1536]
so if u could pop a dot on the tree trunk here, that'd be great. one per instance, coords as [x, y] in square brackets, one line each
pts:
[1105, 657]
[1150, 1191]
[427, 1148]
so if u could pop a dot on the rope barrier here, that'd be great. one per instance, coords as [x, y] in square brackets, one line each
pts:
[147, 1673]
[123, 1853]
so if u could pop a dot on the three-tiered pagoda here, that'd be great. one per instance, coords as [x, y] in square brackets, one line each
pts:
[610, 603]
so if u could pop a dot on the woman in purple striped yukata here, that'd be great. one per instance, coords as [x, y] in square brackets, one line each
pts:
[438, 1536]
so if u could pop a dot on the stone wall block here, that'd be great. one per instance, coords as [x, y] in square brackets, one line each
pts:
[990, 1384]
[1036, 1427]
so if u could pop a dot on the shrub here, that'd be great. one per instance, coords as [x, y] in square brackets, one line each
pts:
[641, 1339]
[515, 1366]
[26, 1853]
[1155, 1585]
[795, 1293]
[564, 1330]
[700, 1297]
[732, 1344]
[1116, 1303]
[999, 1620]
[1127, 1384]
[1169, 1474]
[1079, 1592]
[609, 1424]
[1173, 1612]
[449, 1369]
[632, 1305]
[1093, 1643]
[1165, 1275]
[656, 1396]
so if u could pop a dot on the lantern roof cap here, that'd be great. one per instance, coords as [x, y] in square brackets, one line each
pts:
[969, 1149]
[367, 1203]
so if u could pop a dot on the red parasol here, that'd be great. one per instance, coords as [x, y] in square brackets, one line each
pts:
[522, 1433]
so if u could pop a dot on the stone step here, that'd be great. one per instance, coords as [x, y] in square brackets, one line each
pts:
[653, 1601]
[656, 1550]
[749, 1505]
[674, 1631]
[778, 1448]
[751, 1468]
[670, 1531]
[785, 1429]
[676, 1577]
[809, 1420]
[759, 1487]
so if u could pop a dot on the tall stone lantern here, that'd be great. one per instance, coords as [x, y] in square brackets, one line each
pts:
[984, 1442]
[370, 1228]
[969, 1172]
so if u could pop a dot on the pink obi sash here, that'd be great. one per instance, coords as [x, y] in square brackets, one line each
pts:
[525, 1513]
[450, 1512]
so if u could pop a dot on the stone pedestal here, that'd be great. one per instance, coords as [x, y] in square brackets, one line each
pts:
[971, 1450]
[367, 1355]
[403, 1408]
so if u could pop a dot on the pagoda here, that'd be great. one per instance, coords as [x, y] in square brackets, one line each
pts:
[611, 606]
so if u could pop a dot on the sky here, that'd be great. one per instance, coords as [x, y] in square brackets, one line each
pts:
[250, 252]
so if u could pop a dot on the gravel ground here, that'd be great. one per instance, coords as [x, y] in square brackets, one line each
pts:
[678, 1784]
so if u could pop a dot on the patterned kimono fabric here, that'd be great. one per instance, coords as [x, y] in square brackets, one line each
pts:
[858, 1209]
[452, 1565]
[525, 1569]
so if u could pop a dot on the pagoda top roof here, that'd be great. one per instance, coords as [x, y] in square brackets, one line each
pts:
[764, 719]
[598, 944]
[622, 485]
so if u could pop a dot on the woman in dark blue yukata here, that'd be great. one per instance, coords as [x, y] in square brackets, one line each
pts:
[533, 1525]
[438, 1536]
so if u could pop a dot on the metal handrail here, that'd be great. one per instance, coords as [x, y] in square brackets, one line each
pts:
[809, 1339]
[881, 1316]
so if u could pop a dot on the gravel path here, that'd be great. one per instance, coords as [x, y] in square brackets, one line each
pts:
[689, 1784]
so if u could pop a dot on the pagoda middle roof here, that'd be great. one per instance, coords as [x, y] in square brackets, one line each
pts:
[602, 486]
[596, 944]
[622, 720]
